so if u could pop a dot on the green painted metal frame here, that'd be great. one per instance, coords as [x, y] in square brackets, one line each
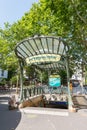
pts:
[23, 51]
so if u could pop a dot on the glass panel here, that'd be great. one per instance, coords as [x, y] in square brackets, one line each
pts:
[21, 52]
[61, 47]
[28, 48]
[34, 46]
[20, 55]
[66, 48]
[25, 48]
[38, 42]
[50, 44]
[64, 52]
[56, 44]
[44, 44]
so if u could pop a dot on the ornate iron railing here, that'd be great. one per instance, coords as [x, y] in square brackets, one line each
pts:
[30, 92]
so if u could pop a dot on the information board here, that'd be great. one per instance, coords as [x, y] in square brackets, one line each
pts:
[54, 81]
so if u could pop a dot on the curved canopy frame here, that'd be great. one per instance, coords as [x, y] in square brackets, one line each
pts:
[42, 51]
[45, 52]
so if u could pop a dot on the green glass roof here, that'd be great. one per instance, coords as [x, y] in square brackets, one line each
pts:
[42, 51]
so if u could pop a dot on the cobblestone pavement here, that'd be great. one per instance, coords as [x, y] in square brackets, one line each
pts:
[40, 118]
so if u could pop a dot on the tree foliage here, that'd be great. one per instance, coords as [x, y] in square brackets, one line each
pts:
[66, 18]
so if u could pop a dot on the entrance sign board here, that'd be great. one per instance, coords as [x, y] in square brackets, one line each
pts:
[43, 58]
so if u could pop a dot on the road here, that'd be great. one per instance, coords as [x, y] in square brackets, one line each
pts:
[40, 118]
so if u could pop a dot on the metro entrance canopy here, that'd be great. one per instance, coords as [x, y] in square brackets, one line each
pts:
[46, 52]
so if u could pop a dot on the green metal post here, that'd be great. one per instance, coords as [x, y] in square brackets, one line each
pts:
[41, 77]
[70, 103]
[21, 80]
[49, 73]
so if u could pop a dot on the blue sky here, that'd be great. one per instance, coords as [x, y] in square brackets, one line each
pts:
[12, 10]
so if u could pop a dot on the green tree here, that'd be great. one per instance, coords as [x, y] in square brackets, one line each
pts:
[8, 59]
[66, 18]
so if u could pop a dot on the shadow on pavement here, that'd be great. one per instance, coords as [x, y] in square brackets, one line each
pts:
[9, 119]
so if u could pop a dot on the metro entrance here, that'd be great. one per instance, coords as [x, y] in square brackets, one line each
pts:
[46, 53]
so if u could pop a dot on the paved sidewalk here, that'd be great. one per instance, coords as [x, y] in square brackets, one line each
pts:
[33, 118]
[52, 119]
[8, 119]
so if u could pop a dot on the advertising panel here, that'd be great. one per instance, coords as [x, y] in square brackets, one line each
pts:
[54, 81]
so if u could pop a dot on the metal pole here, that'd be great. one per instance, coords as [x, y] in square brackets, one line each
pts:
[70, 103]
[41, 78]
[49, 73]
[21, 80]
[17, 85]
